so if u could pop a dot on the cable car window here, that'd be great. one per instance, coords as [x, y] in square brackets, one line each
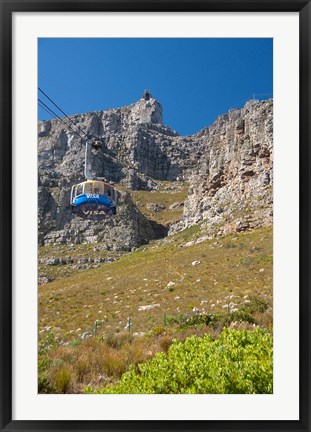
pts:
[108, 190]
[88, 188]
[112, 194]
[101, 187]
[96, 188]
[80, 189]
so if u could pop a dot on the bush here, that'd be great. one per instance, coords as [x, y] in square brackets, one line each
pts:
[248, 312]
[158, 330]
[81, 369]
[176, 319]
[257, 304]
[44, 386]
[62, 380]
[197, 320]
[47, 342]
[117, 340]
[114, 362]
[242, 315]
[246, 262]
[236, 362]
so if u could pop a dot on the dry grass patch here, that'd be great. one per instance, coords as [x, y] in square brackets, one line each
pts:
[113, 293]
[168, 195]
[94, 361]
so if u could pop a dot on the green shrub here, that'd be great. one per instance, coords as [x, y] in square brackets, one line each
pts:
[236, 362]
[81, 369]
[246, 262]
[75, 342]
[247, 311]
[242, 315]
[159, 330]
[62, 380]
[44, 386]
[257, 304]
[176, 319]
[197, 320]
[47, 342]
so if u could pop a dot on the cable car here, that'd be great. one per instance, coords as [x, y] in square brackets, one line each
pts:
[93, 199]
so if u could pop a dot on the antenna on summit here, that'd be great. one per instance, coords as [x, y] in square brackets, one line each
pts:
[147, 94]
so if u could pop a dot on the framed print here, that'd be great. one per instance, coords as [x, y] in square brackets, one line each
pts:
[155, 215]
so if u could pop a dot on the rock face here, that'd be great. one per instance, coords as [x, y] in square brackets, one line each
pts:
[129, 228]
[228, 165]
[232, 184]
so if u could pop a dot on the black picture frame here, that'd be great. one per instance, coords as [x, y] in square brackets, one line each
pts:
[7, 9]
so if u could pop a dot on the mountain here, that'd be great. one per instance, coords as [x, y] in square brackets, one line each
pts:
[227, 167]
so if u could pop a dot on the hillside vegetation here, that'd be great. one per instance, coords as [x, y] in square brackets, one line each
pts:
[167, 277]
[97, 323]
[174, 293]
[236, 362]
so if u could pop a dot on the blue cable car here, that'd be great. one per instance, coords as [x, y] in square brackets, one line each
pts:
[93, 199]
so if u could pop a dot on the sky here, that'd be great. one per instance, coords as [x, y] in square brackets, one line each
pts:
[194, 79]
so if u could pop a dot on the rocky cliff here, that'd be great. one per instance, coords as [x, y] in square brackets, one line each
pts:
[232, 183]
[228, 166]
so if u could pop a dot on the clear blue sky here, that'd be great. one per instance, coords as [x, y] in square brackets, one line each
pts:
[195, 80]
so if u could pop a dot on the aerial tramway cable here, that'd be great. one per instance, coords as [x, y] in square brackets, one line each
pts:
[70, 121]
[50, 111]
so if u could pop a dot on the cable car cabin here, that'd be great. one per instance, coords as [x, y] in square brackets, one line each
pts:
[93, 199]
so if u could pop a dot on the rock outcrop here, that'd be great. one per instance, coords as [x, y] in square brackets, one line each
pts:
[232, 185]
[228, 166]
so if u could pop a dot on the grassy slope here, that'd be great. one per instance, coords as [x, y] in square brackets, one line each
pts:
[167, 194]
[235, 265]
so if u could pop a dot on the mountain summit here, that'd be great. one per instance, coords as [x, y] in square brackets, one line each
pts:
[227, 167]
